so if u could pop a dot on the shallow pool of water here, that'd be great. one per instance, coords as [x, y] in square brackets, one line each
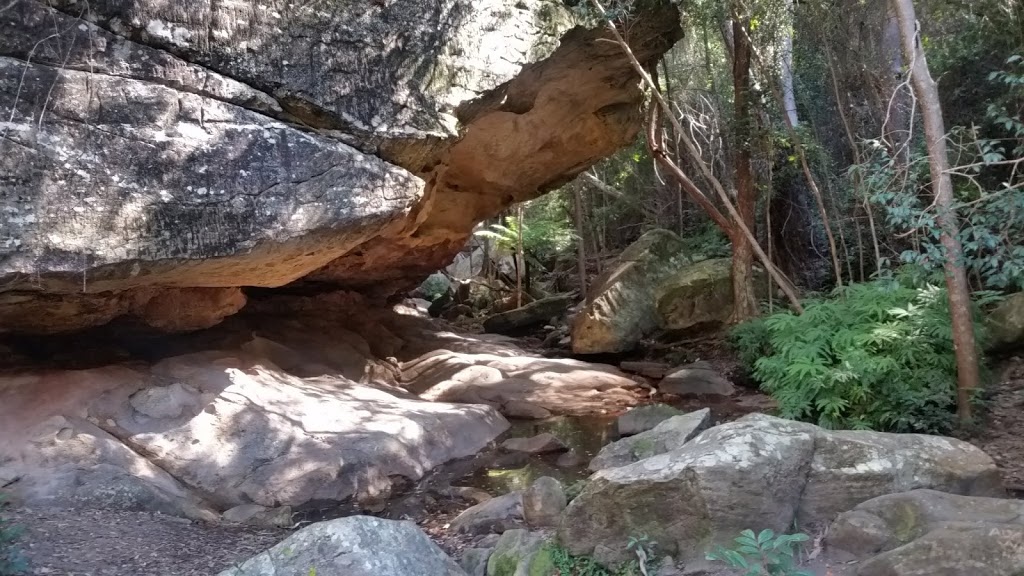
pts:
[584, 435]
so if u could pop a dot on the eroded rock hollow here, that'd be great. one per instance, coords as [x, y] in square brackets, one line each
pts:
[156, 157]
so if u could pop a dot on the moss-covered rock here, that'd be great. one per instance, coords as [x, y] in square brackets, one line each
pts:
[520, 553]
[1006, 322]
[763, 472]
[621, 307]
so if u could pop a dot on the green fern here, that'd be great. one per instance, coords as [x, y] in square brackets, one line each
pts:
[873, 356]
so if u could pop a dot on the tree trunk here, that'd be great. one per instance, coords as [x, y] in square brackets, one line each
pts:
[581, 250]
[927, 92]
[744, 301]
[520, 261]
[896, 115]
[788, 92]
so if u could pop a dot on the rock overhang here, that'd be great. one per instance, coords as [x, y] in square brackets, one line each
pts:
[179, 147]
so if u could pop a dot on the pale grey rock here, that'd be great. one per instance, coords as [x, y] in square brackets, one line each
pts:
[247, 432]
[698, 378]
[70, 462]
[474, 561]
[669, 435]
[495, 515]
[894, 520]
[621, 304]
[543, 502]
[643, 418]
[353, 546]
[766, 472]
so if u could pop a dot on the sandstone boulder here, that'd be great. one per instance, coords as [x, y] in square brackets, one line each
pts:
[671, 434]
[765, 472]
[353, 546]
[699, 295]
[160, 155]
[696, 379]
[621, 302]
[927, 532]
[474, 561]
[516, 383]
[894, 520]
[231, 426]
[955, 550]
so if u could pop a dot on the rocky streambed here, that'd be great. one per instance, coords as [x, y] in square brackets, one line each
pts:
[360, 440]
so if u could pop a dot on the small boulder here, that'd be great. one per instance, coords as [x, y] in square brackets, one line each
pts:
[495, 515]
[543, 502]
[1006, 322]
[954, 550]
[894, 520]
[698, 378]
[474, 561]
[539, 444]
[520, 553]
[256, 515]
[644, 418]
[353, 546]
[669, 435]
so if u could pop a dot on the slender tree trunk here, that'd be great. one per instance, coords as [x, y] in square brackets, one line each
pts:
[744, 300]
[581, 250]
[788, 92]
[520, 261]
[968, 378]
[896, 119]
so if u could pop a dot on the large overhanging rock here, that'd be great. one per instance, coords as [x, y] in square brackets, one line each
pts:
[158, 154]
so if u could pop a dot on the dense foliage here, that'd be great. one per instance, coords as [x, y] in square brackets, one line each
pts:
[876, 355]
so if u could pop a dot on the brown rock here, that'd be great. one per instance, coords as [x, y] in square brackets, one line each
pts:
[656, 370]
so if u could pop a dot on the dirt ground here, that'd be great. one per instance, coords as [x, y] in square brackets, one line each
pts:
[107, 543]
[1002, 430]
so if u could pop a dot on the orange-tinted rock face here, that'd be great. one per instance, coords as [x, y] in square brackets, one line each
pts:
[182, 146]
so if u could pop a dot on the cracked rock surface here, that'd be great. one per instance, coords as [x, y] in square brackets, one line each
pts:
[155, 152]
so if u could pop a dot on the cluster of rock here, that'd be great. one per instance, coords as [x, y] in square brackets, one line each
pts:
[894, 505]
[300, 409]
[655, 284]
